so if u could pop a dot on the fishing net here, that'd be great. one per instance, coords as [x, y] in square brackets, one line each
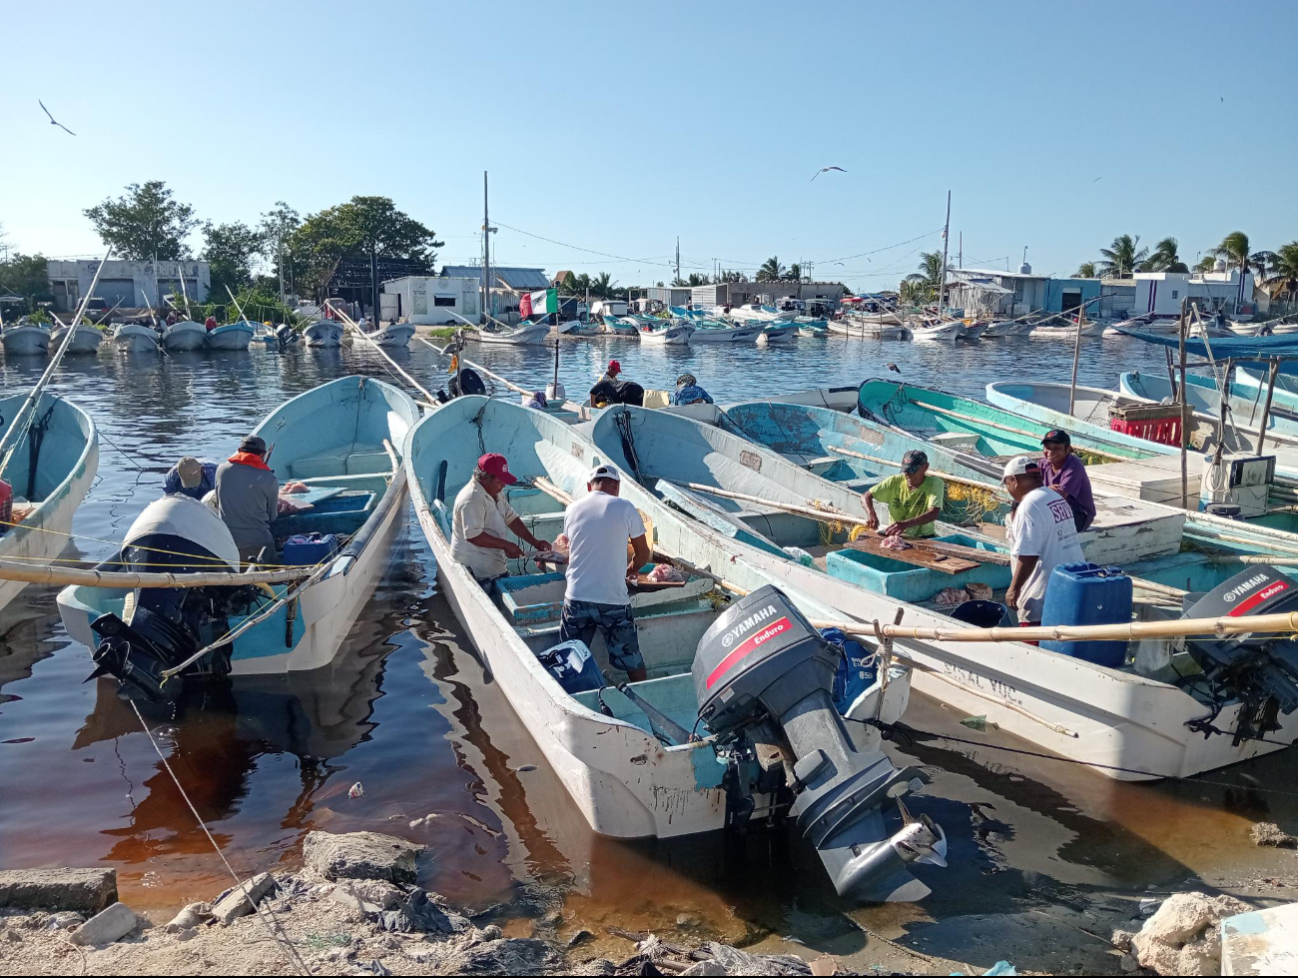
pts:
[971, 504]
[829, 529]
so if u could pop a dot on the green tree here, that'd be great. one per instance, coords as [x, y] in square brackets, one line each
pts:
[576, 284]
[732, 276]
[1234, 248]
[144, 223]
[1263, 264]
[26, 276]
[1123, 257]
[794, 273]
[355, 229]
[697, 279]
[1206, 264]
[922, 286]
[602, 286]
[1164, 258]
[771, 270]
[277, 227]
[1284, 270]
[230, 250]
[1086, 270]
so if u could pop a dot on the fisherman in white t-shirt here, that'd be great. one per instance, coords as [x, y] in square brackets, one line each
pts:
[599, 526]
[1042, 534]
[483, 520]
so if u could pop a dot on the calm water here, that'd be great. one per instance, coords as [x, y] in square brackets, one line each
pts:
[410, 713]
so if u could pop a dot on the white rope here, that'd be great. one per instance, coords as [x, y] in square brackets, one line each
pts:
[276, 930]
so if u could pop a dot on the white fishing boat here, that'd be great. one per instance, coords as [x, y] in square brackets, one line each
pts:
[343, 441]
[1092, 327]
[85, 339]
[136, 338]
[614, 749]
[1001, 328]
[184, 336]
[671, 334]
[393, 335]
[856, 324]
[526, 334]
[756, 312]
[27, 340]
[971, 332]
[232, 336]
[947, 332]
[716, 331]
[779, 333]
[1141, 721]
[54, 459]
[324, 333]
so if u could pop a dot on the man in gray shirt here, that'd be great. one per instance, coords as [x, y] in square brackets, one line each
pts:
[247, 499]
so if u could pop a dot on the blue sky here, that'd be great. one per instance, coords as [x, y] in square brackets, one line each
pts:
[616, 127]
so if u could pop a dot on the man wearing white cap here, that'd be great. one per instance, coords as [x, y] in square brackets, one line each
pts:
[599, 526]
[1042, 535]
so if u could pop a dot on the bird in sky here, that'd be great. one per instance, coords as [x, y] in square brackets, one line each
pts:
[826, 169]
[55, 122]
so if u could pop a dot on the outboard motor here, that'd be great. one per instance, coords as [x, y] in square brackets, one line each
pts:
[1260, 671]
[166, 626]
[287, 336]
[764, 678]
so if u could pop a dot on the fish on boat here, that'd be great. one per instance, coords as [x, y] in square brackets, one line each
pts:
[137, 338]
[25, 340]
[625, 753]
[184, 336]
[324, 333]
[1134, 721]
[231, 336]
[343, 441]
[50, 470]
[85, 338]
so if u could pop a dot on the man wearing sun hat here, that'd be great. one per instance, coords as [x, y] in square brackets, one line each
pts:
[483, 521]
[1042, 535]
[914, 499]
[599, 528]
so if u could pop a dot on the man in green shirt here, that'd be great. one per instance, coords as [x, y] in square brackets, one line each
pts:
[914, 499]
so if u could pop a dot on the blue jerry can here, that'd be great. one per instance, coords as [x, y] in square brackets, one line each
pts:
[1087, 594]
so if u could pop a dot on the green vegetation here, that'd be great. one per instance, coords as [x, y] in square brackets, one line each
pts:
[920, 287]
[144, 223]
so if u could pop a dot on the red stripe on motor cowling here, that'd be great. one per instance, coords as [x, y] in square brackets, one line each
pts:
[1271, 590]
[767, 633]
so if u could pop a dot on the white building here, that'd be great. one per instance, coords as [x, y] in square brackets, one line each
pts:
[127, 284]
[427, 300]
[1160, 293]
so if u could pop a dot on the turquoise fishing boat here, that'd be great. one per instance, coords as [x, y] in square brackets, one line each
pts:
[52, 460]
[1203, 394]
[341, 440]
[232, 336]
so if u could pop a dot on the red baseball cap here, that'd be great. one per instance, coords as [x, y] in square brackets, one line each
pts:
[496, 466]
[614, 367]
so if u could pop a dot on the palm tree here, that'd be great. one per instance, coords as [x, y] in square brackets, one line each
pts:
[1165, 258]
[1284, 270]
[602, 286]
[771, 270]
[1206, 264]
[576, 284]
[794, 273]
[1234, 248]
[1263, 264]
[928, 279]
[1086, 270]
[1122, 258]
[697, 279]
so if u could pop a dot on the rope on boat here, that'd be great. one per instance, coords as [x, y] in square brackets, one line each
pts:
[264, 913]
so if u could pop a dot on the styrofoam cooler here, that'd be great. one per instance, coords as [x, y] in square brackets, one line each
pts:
[1087, 594]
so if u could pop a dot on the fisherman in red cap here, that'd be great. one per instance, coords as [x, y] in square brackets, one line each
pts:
[483, 521]
[609, 390]
[610, 375]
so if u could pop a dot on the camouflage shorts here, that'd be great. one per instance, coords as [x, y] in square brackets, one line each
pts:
[582, 619]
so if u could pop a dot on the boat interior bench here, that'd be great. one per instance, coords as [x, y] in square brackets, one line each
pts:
[672, 695]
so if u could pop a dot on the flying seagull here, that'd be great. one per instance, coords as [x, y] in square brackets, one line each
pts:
[826, 169]
[55, 122]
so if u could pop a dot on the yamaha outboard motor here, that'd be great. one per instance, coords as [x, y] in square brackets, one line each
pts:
[1259, 671]
[764, 676]
[166, 626]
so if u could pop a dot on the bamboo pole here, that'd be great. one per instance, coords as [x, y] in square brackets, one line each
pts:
[1185, 478]
[17, 570]
[937, 472]
[1004, 427]
[1077, 355]
[824, 515]
[351, 323]
[1176, 628]
[1266, 408]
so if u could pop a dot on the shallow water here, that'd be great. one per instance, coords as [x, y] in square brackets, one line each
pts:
[409, 712]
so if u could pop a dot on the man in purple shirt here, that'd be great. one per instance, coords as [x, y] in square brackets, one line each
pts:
[1064, 472]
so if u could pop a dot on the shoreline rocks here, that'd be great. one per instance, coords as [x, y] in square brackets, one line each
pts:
[361, 856]
[81, 890]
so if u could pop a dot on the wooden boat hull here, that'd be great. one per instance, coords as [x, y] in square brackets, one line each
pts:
[66, 466]
[324, 333]
[339, 425]
[134, 338]
[622, 779]
[184, 337]
[234, 336]
[85, 340]
[25, 341]
[1129, 726]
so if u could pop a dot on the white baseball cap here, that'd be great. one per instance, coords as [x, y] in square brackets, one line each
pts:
[604, 472]
[1020, 465]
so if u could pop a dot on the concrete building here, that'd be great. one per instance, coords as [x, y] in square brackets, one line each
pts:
[508, 284]
[669, 295]
[1117, 298]
[427, 300]
[127, 284]
[738, 293]
[985, 292]
[1160, 293]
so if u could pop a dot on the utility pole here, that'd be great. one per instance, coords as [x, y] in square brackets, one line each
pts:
[678, 258]
[959, 262]
[486, 252]
[946, 239]
[374, 281]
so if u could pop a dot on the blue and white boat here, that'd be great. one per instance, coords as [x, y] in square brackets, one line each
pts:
[184, 336]
[25, 340]
[231, 336]
[324, 333]
[343, 441]
[51, 467]
[136, 338]
[85, 338]
[1203, 395]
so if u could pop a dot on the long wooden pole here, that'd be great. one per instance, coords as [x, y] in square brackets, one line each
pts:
[823, 515]
[961, 480]
[1185, 434]
[351, 323]
[19, 570]
[1077, 356]
[1266, 408]
[1004, 427]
